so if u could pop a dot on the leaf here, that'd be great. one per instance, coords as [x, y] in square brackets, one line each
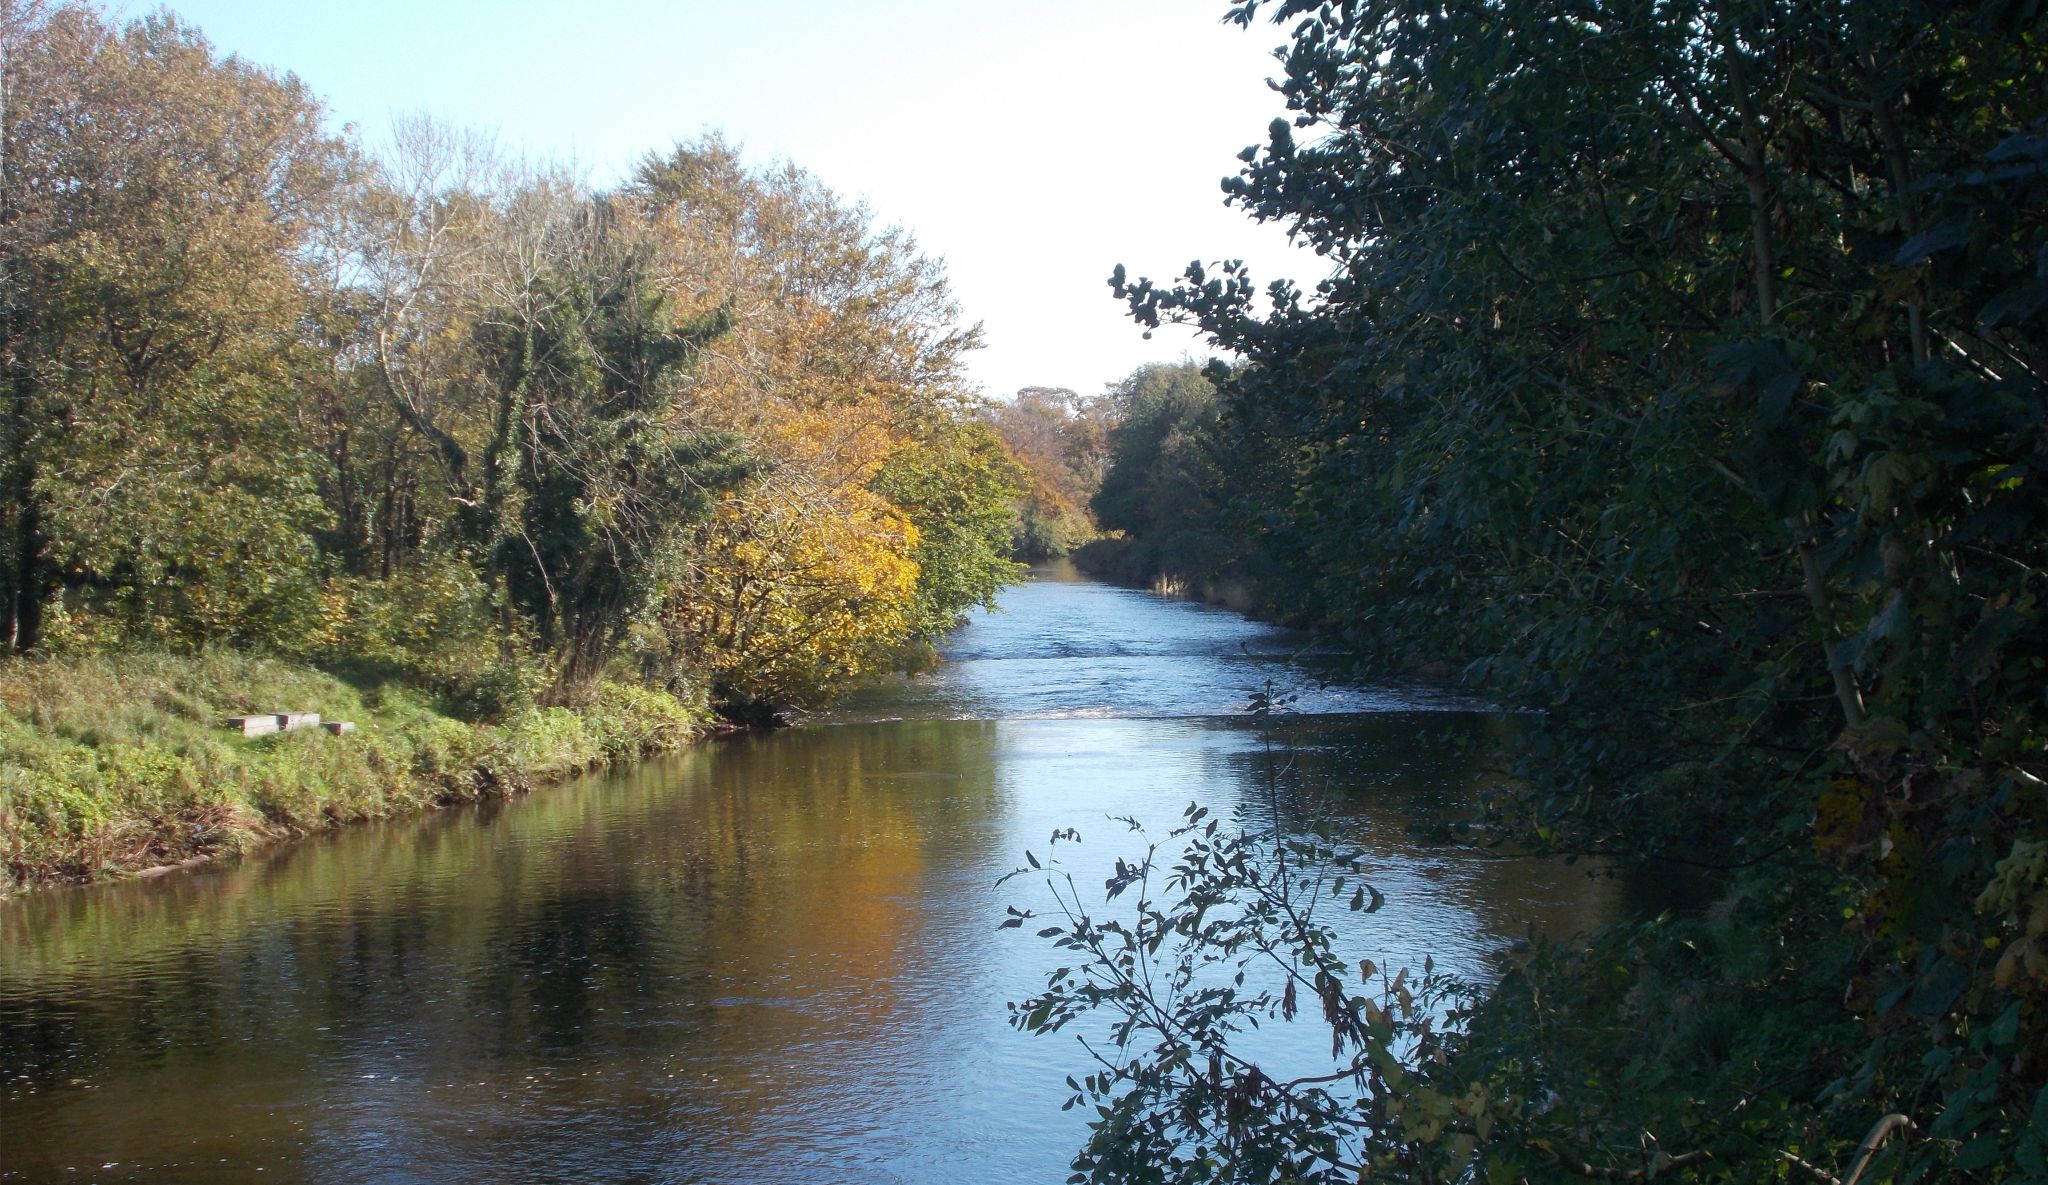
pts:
[1979, 1153]
[2006, 1029]
[1759, 366]
[1945, 237]
[2015, 308]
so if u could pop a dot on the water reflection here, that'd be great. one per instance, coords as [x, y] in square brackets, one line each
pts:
[770, 959]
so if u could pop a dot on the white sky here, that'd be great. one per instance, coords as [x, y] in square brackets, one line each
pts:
[1034, 144]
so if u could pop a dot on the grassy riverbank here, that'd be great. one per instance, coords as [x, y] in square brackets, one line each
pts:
[116, 764]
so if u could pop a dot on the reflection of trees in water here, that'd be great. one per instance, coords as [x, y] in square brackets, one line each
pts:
[1381, 778]
[752, 895]
[632, 965]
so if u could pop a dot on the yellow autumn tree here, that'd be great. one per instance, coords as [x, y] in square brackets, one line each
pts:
[842, 353]
[795, 592]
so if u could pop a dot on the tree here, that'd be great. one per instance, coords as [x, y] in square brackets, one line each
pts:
[1060, 440]
[1675, 376]
[526, 338]
[264, 390]
[795, 593]
[958, 488]
[153, 284]
[841, 368]
[609, 482]
[1163, 486]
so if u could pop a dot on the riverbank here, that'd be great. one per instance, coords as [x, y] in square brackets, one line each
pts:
[1134, 563]
[118, 765]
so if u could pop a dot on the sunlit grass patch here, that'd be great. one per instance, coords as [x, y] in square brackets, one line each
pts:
[110, 764]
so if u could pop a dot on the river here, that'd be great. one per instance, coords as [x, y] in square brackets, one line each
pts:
[773, 958]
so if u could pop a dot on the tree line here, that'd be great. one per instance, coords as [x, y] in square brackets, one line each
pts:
[454, 413]
[1679, 376]
[1121, 480]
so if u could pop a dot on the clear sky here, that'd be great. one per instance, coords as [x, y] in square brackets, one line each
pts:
[1034, 144]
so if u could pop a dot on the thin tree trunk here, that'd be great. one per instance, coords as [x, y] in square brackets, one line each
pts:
[1756, 178]
[26, 546]
[1896, 162]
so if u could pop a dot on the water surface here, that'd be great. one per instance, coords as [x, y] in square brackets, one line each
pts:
[769, 959]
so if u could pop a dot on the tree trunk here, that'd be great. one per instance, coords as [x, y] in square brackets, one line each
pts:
[1755, 163]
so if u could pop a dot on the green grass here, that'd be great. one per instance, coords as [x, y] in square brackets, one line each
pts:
[112, 764]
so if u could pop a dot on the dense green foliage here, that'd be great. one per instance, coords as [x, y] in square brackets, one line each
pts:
[1680, 375]
[150, 294]
[958, 489]
[1162, 489]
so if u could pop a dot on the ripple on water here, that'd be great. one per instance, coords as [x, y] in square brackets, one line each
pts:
[1056, 649]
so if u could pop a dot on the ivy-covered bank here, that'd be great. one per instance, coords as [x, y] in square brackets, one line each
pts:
[114, 765]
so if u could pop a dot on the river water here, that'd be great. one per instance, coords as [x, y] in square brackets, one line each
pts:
[769, 959]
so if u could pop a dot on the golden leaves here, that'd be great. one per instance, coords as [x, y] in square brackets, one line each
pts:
[798, 590]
